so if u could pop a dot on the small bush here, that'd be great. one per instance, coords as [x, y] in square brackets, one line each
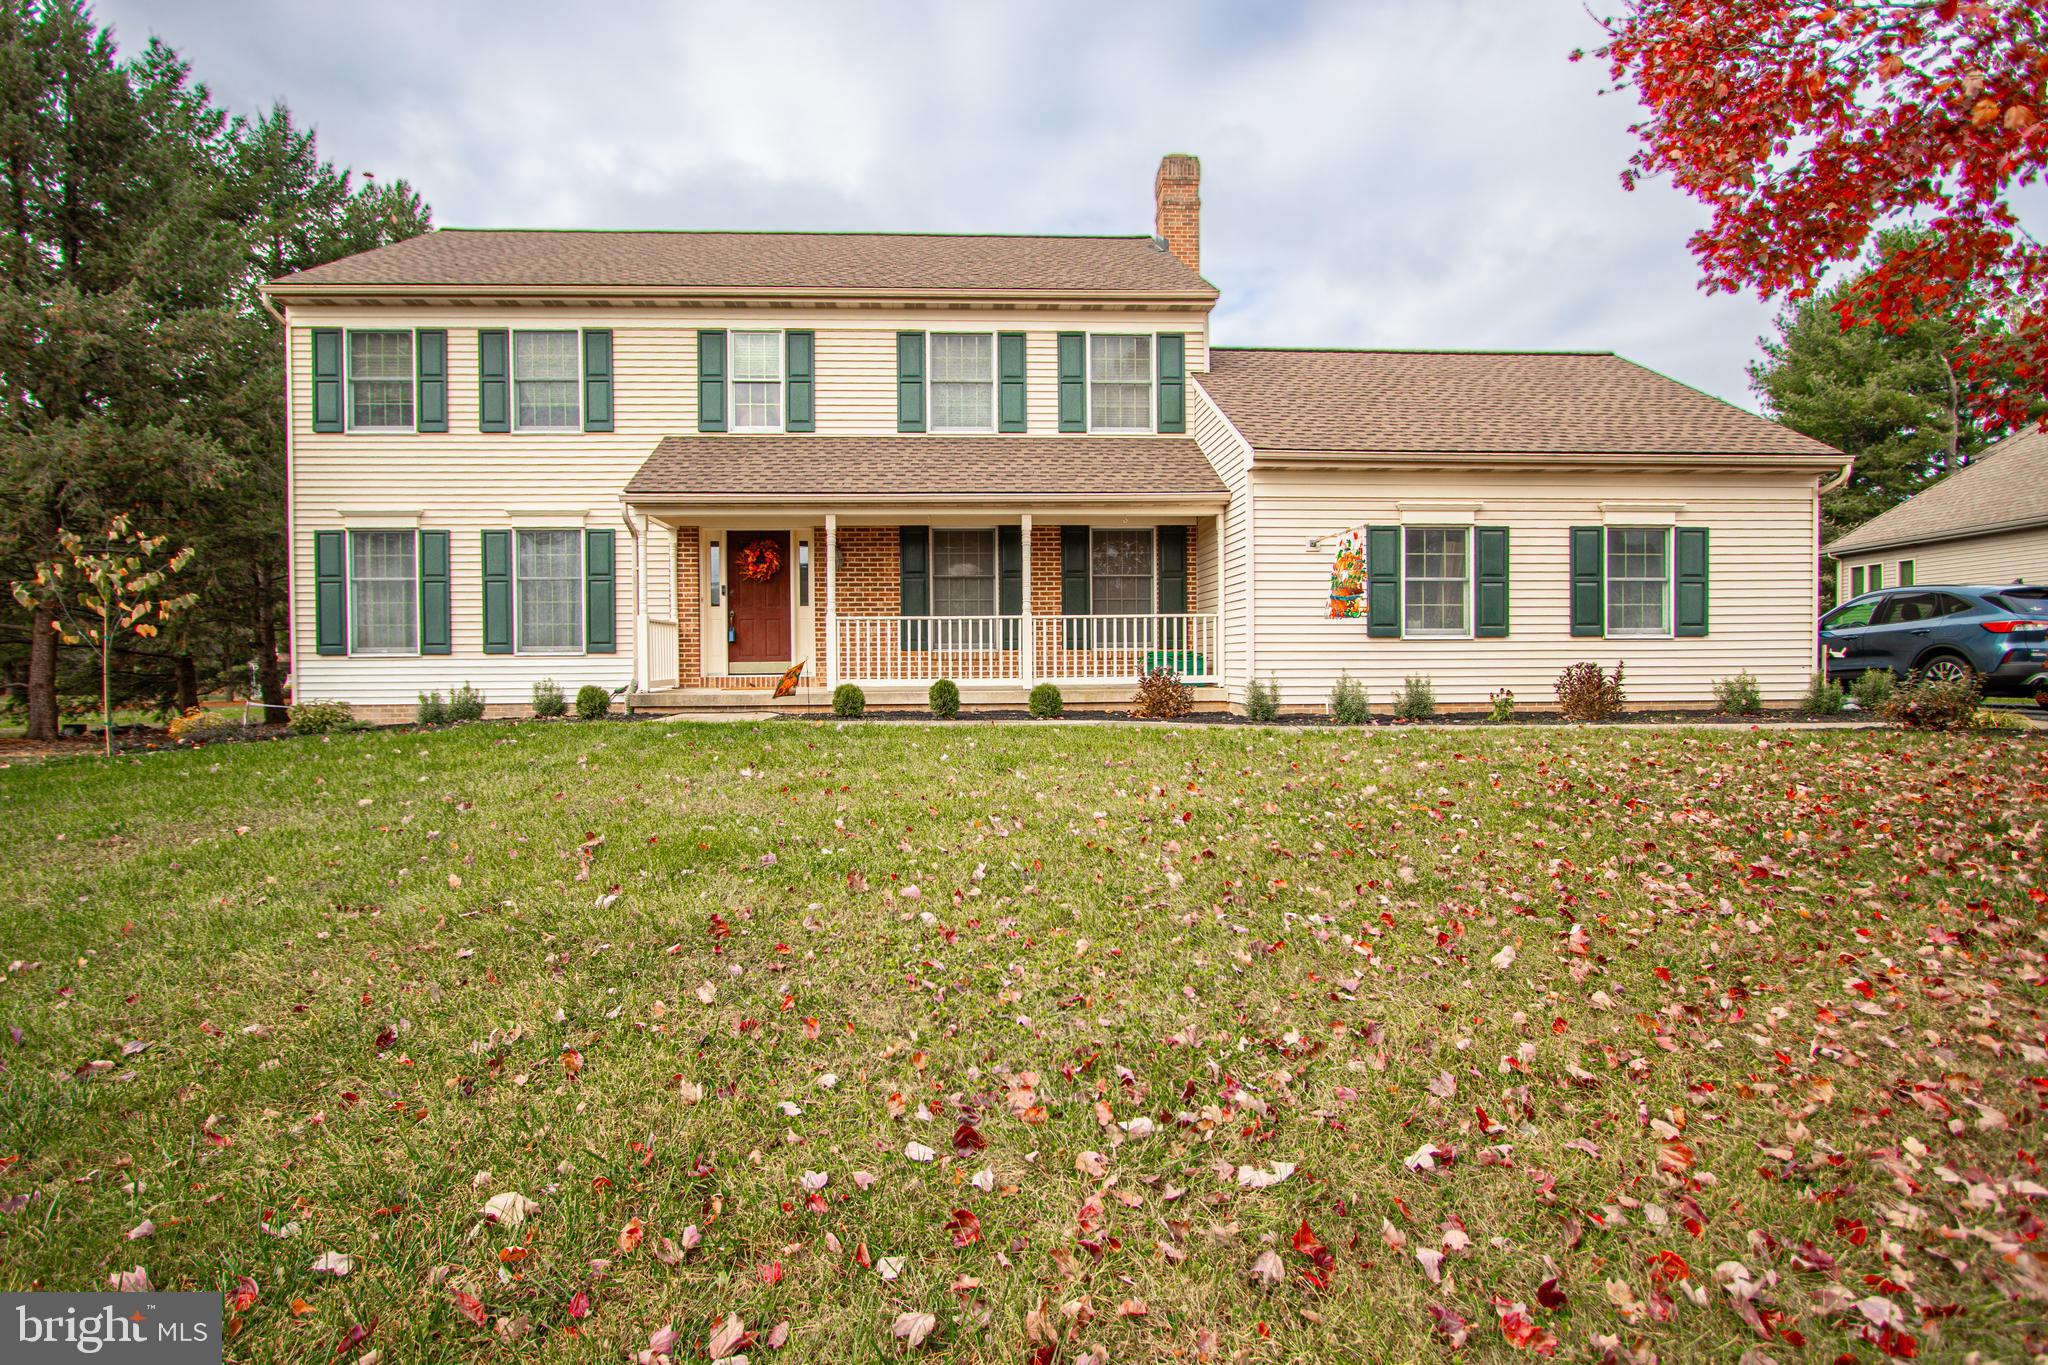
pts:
[1262, 702]
[1739, 695]
[200, 723]
[433, 710]
[944, 698]
[1349, 704]
[1823, 698]
[848, 701]
[465, 703]
[1162, 696]
[1872, 689]
[1046, 702]
[547, 699]
[592, 702]
[1923, 705]
[321, 717]
[1417, 700]
[1585, 693]
[1501, 706]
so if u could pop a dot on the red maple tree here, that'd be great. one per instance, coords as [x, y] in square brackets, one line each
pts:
[1808, 127]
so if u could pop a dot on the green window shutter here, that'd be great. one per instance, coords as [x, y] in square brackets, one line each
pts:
[434, 603]
[600, 594]
[597, 379]
[1383, 582]
[1856, 581]
[711, 381]
[430, 402]
[1011, 414]
[1589, 580]
[1173, 382]
[497, 592]
[327, 379]
[801, 350]
[1074, 583]
[910, 381]
[1173, 570]
[494, 380]
[1490, 600]
[330, 596]
[1689, 584]
[914, 576]
[1009, 579]
[1073, 381]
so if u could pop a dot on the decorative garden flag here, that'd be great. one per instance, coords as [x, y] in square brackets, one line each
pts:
[1347, 579]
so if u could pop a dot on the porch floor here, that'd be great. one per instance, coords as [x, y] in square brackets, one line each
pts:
[912, 696]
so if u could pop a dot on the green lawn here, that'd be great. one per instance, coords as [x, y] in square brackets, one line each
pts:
[1066, 1037]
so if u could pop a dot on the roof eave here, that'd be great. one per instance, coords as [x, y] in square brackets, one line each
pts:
[655, 500]
[1845, 546]
[1275, 458]
[341, 292]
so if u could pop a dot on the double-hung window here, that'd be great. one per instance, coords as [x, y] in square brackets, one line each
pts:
[1120, 572]
[383, 592]
[546, 380]
[963, 573]
[963, 381]
[550, 574]
[1638, 580]
[380, 380]
[1436, 580]
[1119, 383]
[757, 381]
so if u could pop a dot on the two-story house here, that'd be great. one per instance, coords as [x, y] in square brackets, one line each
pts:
[687, 462]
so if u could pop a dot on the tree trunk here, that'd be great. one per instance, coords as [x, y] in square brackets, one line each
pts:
[185, 673]
[269, 678]
[42, 674]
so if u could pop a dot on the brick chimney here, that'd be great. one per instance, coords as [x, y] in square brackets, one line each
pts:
[1177, 197]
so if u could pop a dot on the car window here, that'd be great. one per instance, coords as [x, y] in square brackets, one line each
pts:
[2019, 604]
[1906, 608]
[1854, 614]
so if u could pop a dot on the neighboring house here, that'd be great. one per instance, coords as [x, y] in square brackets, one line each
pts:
[1986, 523]
[684, 462]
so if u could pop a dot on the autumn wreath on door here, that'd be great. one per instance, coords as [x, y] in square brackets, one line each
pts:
[760, 561]
[1347, 579]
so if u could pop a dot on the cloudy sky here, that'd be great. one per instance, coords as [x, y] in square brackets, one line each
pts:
[1375, 172]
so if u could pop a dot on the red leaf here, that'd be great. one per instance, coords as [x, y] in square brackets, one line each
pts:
[469, 1305]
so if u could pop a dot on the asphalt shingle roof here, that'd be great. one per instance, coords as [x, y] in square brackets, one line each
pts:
[884, 262]
[2006, 486]
[1479, 402]
[967, 467]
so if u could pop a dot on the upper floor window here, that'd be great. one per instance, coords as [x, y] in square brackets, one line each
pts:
[757, 381]
[1638, 580]
[1435, 580]
[383, 583]
[380, 380]
[963, 381]
[546, 381]
[1120, 383]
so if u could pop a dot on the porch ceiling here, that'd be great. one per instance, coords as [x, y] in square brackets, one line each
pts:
[898, 469]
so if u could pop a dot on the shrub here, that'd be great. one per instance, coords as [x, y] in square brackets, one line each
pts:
[848, 701]
[1585, 693]
[1501, 706]
[1823, 698]
[1162, 696]
[547, 699]
[200, 723]
[1872, 689]
[432, 710]
[1417, 700]
[1349, 704]
[465, 703]
[1739, 695]
[1922, 705]
[1046, 702]
[944, 698]
[1262, 702]
[592, 702]
[321, 717]
[1988, 719]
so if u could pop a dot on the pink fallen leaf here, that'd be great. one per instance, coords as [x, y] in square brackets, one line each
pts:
[913, 1328]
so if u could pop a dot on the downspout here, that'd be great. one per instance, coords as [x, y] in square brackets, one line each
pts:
[291, 509]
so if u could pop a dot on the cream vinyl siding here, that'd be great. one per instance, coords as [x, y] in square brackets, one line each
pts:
[2000, 557]
[1226, 559]
[1761, 609]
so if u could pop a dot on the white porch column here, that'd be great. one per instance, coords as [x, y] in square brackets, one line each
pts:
[831, 599]
[1026, 665]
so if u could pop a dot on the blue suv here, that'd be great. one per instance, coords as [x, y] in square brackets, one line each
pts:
[1998, 635]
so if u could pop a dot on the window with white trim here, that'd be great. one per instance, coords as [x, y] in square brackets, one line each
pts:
[1436, 580]
[380, 381]
[550, 584]
[963, 573]
[756, 381]
[547, 377]
[1120, 572]
[1638, 580]
[1120, 383]
[383, 592]
[963, 381]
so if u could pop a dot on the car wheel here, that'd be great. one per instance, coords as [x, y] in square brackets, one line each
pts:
[1946, 668]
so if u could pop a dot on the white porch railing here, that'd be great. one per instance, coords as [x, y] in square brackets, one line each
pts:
[664, 665]
[973, 649]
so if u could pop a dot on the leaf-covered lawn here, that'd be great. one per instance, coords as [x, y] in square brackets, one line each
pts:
[1059, 1044]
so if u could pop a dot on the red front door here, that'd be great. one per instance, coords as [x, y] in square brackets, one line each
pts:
[757, 610]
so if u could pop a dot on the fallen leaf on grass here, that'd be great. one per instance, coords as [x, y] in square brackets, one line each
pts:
[913, 1328]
